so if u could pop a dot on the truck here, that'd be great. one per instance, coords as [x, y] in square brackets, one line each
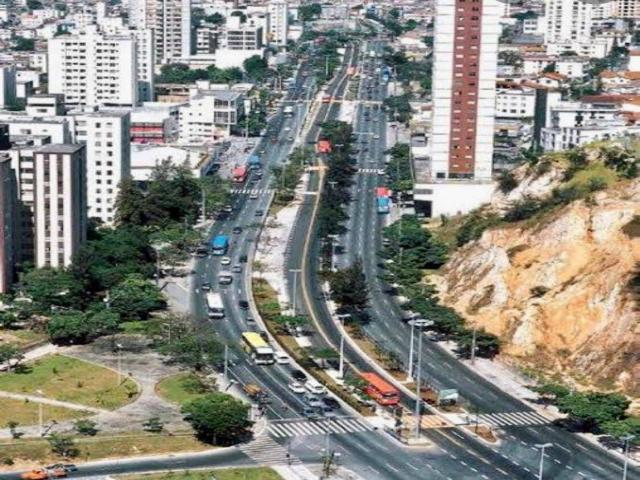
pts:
[254, 162]
[288, 111]
[240, 174]
[215, 306]
[219, 245]
[383, 204]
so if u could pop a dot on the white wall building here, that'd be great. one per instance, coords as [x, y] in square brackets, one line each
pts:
[170, 21]
[516, 102]
[279, 22]
[568, 21]
[106, 135]
[60, 204]
[209, 116]
[94, 69]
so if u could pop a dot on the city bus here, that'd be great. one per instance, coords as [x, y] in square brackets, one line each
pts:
[215, 305]
[260, 351]
[379, 390]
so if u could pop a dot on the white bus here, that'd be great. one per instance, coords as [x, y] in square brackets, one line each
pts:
[215, 305]
[260, 351]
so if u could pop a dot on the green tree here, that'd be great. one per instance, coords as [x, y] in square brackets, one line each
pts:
[215, 19]
[34, 5]
[24, 44]
[63, 445]
[287, 323]
[50, 288]
[78, 327]
[309, 12]
[153, 425]
[218, 418]
[256, 67]
[135, 298]
[593, 409]
[487, 344]
[130, 204]
[191, 349]
[85, 427]
[622, 428]
[11, 355]
[349, 287]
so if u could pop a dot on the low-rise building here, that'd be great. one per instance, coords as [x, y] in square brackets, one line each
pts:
[209, 116]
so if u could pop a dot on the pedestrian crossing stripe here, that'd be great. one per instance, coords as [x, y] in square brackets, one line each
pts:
[265, 451]
[512, 419]
[369, 170]
[247, 191]
[280, 429]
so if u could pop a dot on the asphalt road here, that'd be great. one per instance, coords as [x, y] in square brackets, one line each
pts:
[570, 457]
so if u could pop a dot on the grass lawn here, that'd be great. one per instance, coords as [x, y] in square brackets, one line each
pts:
[28, 452]
[71, 380]
[181, 388]
[258, 473]
[26, 413]
[22, 337]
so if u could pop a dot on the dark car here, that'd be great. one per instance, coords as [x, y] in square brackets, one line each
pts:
[331, 403]
[298, 375]
[237, 230]
[243, 304]
[243, 259]
[206, 286]
[259, 213]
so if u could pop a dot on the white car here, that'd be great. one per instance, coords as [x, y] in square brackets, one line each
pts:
[314, 387]
[253, 196]
[282, 358]
[296, 387]
[225, 261]
[376, 137]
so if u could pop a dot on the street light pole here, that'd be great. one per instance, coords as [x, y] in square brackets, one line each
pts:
[295, 272]
[627, 440]
[473, 345]
[226, 363]
[419, 324]
[119, 350]
[542, 447]
[341, 317]
[410, 369]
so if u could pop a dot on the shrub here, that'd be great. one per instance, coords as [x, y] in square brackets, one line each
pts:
[507, 182]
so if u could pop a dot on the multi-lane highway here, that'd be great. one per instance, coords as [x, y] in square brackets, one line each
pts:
[570, 456]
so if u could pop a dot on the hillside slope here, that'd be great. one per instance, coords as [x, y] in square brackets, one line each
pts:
[561, 289]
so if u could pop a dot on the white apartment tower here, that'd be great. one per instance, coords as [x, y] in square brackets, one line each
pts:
[568, 21]
[60, 203]
[279, 22]
[106, 136]
[458, 177]
[94, 69]
[170, 21]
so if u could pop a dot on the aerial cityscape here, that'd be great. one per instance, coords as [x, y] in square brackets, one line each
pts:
[302, 240]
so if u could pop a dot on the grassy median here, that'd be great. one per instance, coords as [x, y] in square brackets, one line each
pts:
[259, 473]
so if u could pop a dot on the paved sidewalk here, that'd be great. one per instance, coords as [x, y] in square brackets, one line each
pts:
[33, 354]
[49, 401]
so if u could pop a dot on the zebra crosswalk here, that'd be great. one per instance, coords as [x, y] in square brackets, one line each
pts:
[512, 419]
[266, 451]
[280, 429]
[251, 191]
[370, 170]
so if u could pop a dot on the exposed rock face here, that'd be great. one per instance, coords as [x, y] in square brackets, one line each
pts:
[560, 293]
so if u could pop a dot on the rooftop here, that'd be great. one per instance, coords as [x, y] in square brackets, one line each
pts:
[60, 148]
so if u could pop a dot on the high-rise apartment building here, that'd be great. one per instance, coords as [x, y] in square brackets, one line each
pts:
[8, 223]
[7, 85]
[568, 21]
[278, 22]
[170, 21]
[106, 136]
[60, 203]
[458, 174]
[627, 8]
[94, 69]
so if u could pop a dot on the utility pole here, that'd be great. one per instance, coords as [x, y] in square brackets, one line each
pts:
[473, 345]
[627, 440]
[419, 324]
[294, 294]
[204, 205]
[410, 369]
[119, 350]
[226, 363]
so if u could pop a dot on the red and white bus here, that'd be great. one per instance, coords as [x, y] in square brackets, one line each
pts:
[379, 390]
[240, 174]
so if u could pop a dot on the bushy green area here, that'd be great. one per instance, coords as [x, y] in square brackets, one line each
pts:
[181, 73]
[410, 251]
[594, 412]
[285, 179]
[218, 418]
[399, 168]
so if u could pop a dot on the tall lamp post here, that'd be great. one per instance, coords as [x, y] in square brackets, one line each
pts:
[419, 323]
[627, 441]
[295, 272]
[542, 447]
[342, 317]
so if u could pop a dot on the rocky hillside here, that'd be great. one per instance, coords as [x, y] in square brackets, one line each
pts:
[559, 284]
